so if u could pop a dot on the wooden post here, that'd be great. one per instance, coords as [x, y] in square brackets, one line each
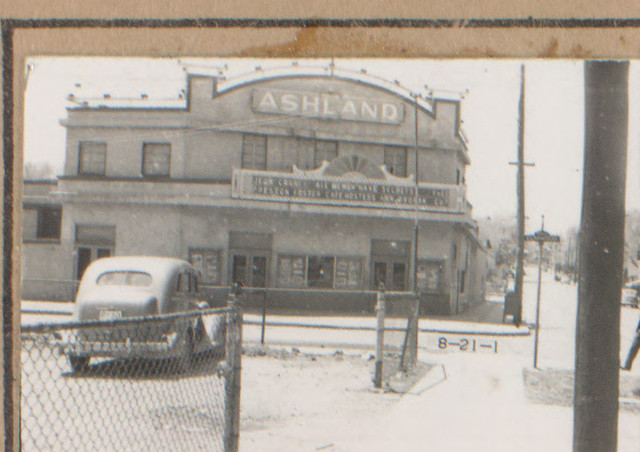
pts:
[416, 197]
[233, 355]
[410, 344]
[517, 318]
[600, 261]
[264, 315]
[380, 311]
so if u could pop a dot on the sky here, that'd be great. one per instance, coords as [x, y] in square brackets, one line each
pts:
[554, 117]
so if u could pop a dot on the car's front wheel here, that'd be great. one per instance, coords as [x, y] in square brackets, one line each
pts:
[79, 363]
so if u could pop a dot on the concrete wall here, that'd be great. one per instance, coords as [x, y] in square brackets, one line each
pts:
[206, 139]
[212, 155]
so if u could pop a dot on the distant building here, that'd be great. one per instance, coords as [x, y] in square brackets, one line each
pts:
[298, 179]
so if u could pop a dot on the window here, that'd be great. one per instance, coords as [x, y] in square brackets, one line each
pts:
[207, 264]
[41, 222]
[194, 282]
[325, 150]
[324, 272]
[183, 283]
[430, 276]
[254, 152]
[305, 157]
[156, 159]
[92, 158]
[320, 272]
[395, 159]
[348, 273]
[292, 271]
[139, 279]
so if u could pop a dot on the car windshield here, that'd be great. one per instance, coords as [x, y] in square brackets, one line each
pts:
[124, 278]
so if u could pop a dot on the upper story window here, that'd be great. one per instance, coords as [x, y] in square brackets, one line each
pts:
[156, 159]
[395, 159]
[325, 150]
[92, 158]
[254, 152]
[41, 222]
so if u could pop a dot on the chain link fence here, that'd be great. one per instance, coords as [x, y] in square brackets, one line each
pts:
[158, 383]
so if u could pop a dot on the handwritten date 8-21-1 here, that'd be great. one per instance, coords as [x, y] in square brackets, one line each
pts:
[468, 345]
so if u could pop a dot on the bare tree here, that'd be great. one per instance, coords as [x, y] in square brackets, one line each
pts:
[36, 171]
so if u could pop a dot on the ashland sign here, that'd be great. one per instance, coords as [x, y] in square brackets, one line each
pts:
[327, 105]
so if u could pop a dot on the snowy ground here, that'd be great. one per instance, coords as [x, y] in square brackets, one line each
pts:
[469, 401]
[313, 389]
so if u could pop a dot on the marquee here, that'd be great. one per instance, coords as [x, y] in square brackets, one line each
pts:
[327, 105]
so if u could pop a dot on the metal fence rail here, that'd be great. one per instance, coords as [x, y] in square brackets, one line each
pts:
[156, 383]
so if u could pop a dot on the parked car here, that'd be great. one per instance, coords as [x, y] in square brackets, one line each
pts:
[125, 287]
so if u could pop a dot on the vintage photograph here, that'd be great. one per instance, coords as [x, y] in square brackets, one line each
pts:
[321, 254]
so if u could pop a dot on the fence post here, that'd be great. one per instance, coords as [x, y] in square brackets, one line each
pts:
[410, 346]
[264, 315]
[233, 356]
[380, 313]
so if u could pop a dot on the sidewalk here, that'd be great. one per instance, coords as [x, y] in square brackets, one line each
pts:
[478, 404]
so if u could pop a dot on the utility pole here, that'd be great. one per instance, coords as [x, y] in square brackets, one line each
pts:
[596, 392]
[517, 318]
[416, 199]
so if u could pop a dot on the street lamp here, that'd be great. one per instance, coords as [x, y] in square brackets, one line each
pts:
[541, 237]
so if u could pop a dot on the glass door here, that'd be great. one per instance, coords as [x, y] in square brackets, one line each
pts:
[254, 275]
[379, 274]
[86, 255]
[239, 269]
[399, 281]
[258, 271]
[395, 280]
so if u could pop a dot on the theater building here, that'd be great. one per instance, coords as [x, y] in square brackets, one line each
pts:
[301, 181]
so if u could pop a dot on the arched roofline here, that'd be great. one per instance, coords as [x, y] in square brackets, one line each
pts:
[224, 86]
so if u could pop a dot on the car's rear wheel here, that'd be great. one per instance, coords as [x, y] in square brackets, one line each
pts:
[79, 363]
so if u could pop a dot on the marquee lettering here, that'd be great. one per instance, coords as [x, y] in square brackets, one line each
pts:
[327, 105]
[268, 102]
[348, 110]
[285, 187]
[289, 103]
